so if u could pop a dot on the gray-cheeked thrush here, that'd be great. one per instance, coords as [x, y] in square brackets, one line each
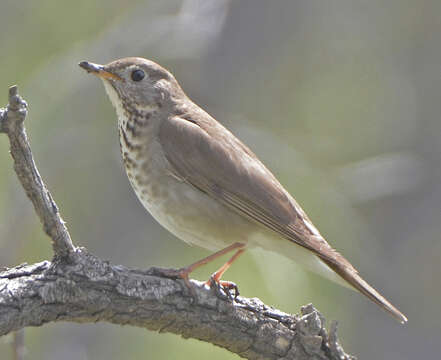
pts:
[203, 184]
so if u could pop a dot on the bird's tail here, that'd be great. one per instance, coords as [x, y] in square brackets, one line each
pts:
[356, 281]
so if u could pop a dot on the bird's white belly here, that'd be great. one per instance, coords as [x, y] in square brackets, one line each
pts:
[193, 216]
[200, 220]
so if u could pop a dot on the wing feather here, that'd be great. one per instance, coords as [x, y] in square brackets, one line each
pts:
[206, 155]
[209, 157]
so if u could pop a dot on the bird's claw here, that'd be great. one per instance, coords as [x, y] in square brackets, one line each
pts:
[224, 288]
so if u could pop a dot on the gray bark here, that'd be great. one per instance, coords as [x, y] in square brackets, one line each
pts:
[80, 287]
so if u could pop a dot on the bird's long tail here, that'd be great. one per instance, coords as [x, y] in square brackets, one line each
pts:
[356, 281]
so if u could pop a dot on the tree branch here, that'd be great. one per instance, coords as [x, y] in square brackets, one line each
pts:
[79, 287]
[11, 123]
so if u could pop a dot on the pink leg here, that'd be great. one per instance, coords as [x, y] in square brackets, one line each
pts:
[226, 285]
[183, 273]
[219, 273]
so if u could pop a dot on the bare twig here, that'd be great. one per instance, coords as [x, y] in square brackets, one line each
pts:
[77, 286]
[11, 123]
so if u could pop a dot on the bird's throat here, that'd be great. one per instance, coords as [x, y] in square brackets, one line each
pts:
[115, 100]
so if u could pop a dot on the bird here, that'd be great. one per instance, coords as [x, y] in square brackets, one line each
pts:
[204, 185]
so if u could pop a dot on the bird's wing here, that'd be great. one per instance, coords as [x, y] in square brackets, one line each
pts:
[209, 157]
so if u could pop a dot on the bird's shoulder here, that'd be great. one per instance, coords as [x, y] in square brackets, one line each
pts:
[208, 155]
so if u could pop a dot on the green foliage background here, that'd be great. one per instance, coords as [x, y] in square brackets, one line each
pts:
[340, 99]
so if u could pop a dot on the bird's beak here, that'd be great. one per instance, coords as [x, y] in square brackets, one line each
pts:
[98, 70]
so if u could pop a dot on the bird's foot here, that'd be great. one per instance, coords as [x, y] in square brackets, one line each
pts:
[223, 287]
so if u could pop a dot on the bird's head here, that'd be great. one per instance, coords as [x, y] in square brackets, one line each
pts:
[136, 83]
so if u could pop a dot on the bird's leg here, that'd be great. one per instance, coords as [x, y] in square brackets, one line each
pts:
[186, 271]
[216, 276]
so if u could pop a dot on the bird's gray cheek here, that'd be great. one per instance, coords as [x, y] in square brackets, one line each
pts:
[146, 97]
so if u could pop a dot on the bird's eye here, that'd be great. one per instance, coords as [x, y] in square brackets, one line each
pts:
[137, 75]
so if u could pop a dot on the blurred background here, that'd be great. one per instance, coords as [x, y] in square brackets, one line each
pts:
[341, 100]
